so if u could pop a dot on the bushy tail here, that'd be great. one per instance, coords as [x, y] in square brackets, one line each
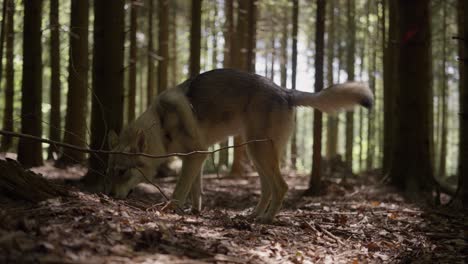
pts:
[337, 97]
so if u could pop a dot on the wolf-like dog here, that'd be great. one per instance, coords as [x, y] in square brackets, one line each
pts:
[207, 109]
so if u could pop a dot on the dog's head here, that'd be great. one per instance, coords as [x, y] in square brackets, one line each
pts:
[125, 171]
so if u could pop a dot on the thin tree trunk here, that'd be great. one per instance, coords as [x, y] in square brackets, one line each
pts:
[55, 113]
[390, 84]
[195, 38]
[244, 50]
[371, 146]
[75, 123]
[227, 61]
[132, 71]
[173, 48]
[443, 100]
[284, 52]
[350, 51]
[108, 79]
[273, 51]
[316, 175]
[163, 44]
[3, 34]
[29, 151]
[7, 142]
[361, 72]
[332, 121]
[463, 155]
[412, 168]
[295, 24]
[150, 56]
[214, 36]
[251, 36]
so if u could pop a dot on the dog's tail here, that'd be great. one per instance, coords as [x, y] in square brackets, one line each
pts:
[336, 97]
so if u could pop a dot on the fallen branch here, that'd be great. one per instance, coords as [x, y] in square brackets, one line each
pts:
[98, 151]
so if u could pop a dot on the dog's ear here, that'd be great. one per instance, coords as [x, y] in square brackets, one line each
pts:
[112, 139]
[141, 141]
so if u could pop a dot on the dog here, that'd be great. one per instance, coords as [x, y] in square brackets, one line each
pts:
[207, 109]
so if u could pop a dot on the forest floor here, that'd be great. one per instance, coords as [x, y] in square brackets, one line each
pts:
[364, 222]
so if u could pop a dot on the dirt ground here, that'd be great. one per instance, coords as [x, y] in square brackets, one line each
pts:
[366, 222]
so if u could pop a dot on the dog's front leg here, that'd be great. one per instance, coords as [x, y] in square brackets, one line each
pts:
[191, 168]
[196, 192]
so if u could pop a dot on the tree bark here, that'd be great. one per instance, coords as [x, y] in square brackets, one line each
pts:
[214, 37]
[150, 56]
[107, 87]
[132, 73]
[463, 155]
[412, 168]
[371, 146]
[7, 142]
[245, 52]
[55, 113]
[29, 151]
[295, 25]
[350, 51]
[390, 84]
[228, 32]
[284, 52]
[332, 121]
[195, 38]
[3, 34]
[163, 44]
[443, 99]
[75, 122]
[316, 175]
[174, 57]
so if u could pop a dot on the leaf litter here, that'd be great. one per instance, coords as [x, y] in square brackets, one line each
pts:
[363, 222]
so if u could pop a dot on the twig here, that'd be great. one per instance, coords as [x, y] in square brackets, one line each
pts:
[317, 227]
[87, 150]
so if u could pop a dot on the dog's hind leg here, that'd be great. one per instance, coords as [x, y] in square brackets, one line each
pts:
[266, 158]
[265, 195]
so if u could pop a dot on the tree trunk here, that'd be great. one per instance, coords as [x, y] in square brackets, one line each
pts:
[371, 146]
[3, 34]
[316, 175]
[108, 73]
[29, 151]
[228, 32]
[443, 99]
[7, 142]
[412, 163]
[195, 38]
[163, 44]
[332, 121]
[174, 70]
[390, 84]
[246, 20]
[463, 155]
[251, 36]
[55, 113]
[295, 25]
[150, 56]
[214, 37]
[350, 51]
[284, 52]
[132, 73]
[75, 122]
